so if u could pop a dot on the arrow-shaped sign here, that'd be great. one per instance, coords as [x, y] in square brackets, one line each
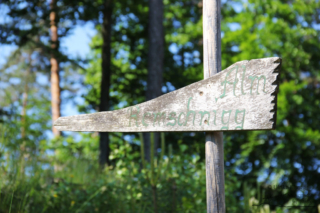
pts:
[241, 97]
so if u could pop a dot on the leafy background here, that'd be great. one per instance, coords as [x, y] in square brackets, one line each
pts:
[265, 171]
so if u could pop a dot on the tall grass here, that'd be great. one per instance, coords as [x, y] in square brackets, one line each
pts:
[80, 185]
[171, 182]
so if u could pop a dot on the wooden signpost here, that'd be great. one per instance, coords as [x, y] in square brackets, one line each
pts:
[241, 97]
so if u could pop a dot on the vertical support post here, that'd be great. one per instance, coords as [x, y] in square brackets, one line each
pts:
[214, 140]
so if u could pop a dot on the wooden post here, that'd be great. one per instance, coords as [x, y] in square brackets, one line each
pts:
[241, 97]
[189, 108]
[214, 140]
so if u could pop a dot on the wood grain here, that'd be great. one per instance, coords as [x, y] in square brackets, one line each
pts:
[214, 140]
[215, 172]
[241, 97]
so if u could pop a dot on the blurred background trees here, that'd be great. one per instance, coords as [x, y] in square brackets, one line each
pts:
[115, 75]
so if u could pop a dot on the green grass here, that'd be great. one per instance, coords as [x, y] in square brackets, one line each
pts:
[173, 182]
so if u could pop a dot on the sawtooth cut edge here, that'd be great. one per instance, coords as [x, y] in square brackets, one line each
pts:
[275, 93]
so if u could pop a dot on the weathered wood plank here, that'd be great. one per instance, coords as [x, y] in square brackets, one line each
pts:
[214, 140]
[241, 97]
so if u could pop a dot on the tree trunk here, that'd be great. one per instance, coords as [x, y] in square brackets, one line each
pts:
[23, 155]
[105, 79]
[55, 80]
[24, 101]
[155, 62]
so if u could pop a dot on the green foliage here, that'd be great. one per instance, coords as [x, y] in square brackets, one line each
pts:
[254, 161]
[289, 154]
[179, 183]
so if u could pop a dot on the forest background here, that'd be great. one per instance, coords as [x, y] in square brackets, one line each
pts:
[43, 170]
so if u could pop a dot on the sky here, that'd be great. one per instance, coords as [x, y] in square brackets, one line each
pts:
[75, 45]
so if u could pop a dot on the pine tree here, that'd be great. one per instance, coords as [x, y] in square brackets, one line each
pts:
[155, 62]
[105, 77]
